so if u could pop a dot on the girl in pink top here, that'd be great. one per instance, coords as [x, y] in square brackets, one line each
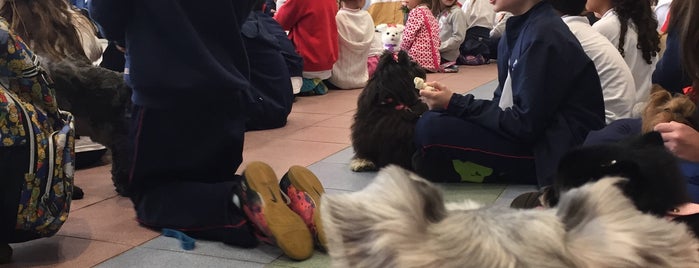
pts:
[421, 35]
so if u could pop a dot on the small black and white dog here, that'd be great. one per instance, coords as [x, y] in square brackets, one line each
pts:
[387, 109]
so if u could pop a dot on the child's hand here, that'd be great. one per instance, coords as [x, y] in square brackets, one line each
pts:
[682, 140]
[420, 84]
[436, 98]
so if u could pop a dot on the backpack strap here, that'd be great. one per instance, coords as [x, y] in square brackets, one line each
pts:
[435, 58]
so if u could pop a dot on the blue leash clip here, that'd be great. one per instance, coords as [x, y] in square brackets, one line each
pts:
[186, 242]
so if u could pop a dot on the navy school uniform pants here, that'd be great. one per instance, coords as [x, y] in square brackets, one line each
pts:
[183, 173]
[451, 149]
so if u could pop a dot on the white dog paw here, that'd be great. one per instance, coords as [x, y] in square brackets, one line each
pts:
[359, 165]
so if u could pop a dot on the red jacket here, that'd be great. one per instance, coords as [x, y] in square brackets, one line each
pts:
[313, 30]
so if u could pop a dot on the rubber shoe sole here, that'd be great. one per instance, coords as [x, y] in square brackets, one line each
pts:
[305, 181]
[527, 200]
[285, 227]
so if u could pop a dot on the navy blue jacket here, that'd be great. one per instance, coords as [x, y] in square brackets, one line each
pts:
[668, 72]
[556, 90]
[181, 52]
[273, 60]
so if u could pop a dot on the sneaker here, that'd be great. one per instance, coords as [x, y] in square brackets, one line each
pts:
[314, 86]
[526, 200]
[475, 60]
[304, 190]
[531, 199]
[266, 207]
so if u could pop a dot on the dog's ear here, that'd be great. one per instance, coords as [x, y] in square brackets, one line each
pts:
[404, 58]
[381, 27]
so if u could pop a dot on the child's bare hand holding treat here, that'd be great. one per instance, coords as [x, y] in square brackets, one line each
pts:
[434, 94]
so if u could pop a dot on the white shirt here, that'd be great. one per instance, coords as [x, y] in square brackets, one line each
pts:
[479, 13]
[618, 88]
[609, 26]
[355, 30]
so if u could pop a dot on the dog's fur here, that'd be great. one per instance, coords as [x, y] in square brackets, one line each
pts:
[655, 183]
[99, 99]
[664, 107]
[382, 132]
[400, 220]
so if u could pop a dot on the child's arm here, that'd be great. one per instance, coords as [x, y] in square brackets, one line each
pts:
[459, 25]
[412, 26]
[542, 80]
[291, 13]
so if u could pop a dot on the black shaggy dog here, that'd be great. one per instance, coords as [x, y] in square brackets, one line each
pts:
[655, 183]
[387, 109]
[99, 99]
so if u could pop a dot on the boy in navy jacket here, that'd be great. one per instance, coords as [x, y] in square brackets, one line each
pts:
[547, 100]
[188, 67]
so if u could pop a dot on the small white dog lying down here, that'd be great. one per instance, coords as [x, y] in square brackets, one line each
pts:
[400, 220]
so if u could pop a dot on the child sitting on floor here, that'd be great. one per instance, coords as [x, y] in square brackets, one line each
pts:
[479, 21]
[313, 30]
[356, 33]
[421, 35]
[452, 31]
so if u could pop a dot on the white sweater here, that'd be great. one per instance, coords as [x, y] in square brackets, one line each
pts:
[609, 26]
[618, 88]
[355, 32]
[479, 13]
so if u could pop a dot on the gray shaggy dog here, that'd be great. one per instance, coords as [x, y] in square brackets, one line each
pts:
[99, 99]
[400, 220]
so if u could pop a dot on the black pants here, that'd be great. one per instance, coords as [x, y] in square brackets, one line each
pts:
[183, 173]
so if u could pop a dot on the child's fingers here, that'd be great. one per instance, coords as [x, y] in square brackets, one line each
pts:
[427, 93]
[436, 85]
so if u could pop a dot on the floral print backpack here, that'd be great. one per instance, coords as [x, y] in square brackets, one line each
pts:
[36, 147]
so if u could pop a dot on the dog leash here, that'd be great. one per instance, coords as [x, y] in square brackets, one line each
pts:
[186, 242]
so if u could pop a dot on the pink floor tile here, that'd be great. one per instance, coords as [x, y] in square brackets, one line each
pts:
[340, 121]
[112, 220]
[97, 184]
[323, 134]
[62, 251]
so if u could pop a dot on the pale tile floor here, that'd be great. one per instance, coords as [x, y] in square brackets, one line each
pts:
[102, 231]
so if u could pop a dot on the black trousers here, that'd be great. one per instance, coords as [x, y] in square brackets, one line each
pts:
[183, 173]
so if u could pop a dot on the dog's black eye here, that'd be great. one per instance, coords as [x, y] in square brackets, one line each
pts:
[388, 33]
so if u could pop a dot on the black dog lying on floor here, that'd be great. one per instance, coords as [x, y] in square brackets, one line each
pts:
[99, 99]
[655, 184]
[387, 109]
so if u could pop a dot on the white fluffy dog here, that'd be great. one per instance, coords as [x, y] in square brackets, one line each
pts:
[400, 220]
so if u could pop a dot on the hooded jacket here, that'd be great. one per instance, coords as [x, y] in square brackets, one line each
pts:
[180, 53]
